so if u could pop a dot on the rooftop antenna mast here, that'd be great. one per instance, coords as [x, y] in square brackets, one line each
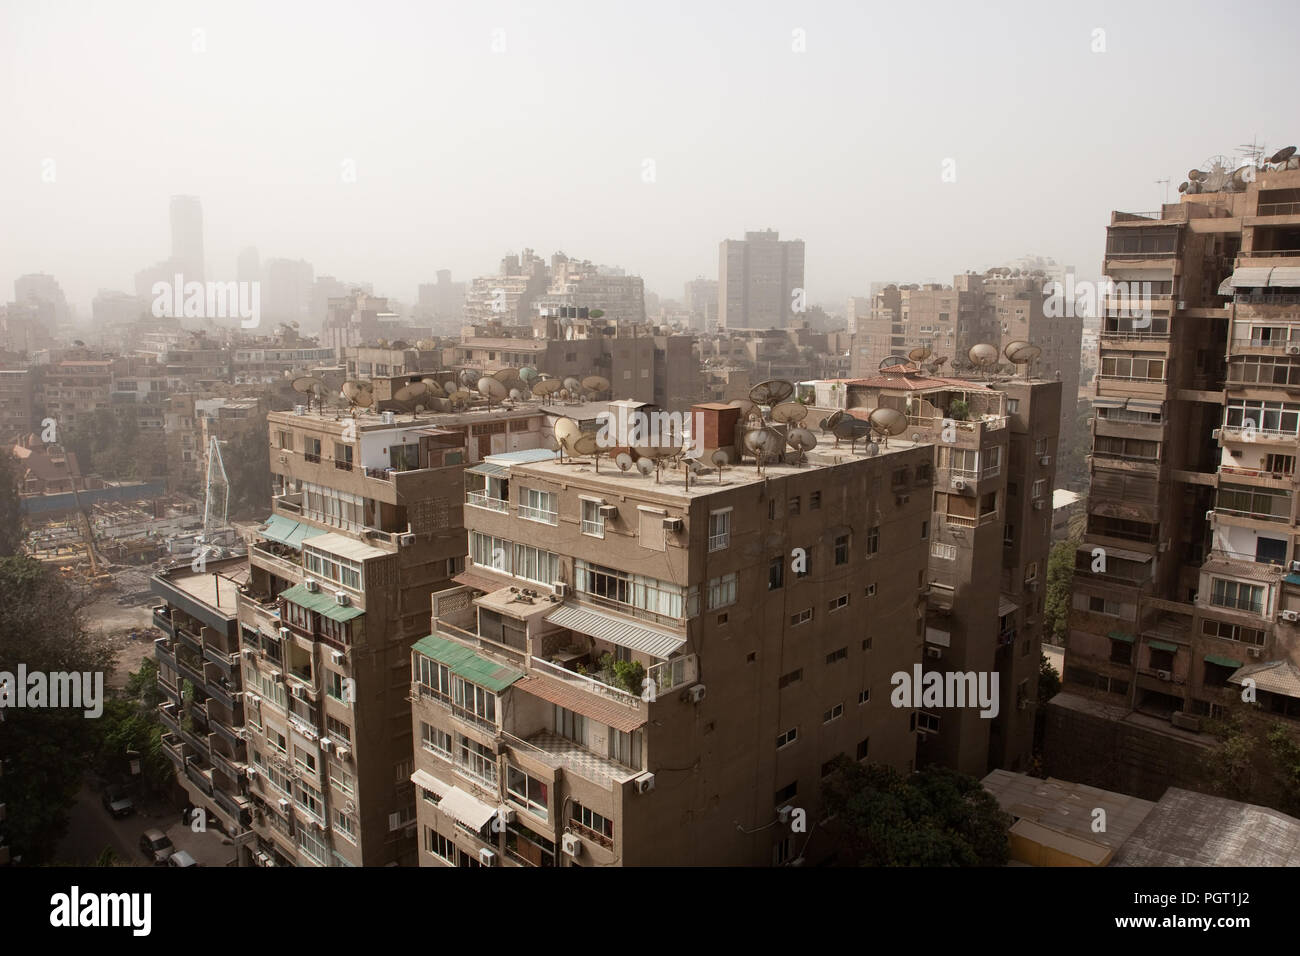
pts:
[1166, 184]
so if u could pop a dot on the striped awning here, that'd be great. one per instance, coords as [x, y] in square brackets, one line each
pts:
[617, 630]
[426, 780]
[463, 808]
[1252, 277]
[287, 531]
[1108, 403]
[464, 662]
[1145, 405]
[1287, 277]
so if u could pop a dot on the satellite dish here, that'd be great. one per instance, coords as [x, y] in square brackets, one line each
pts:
[433, 389]
[802, 441]
[584, 444]
[459, 397]
[572, 385]
[426, 345]
[1195, 175]
[399, 344]
[888, 421]
[516, 395]
[746, 407]
[409, 392]
[306, 383]
[1021, 352]
[468, 377]
[1182, 187]
[920, 353]
[983, 356]
[565, 431]
[645, 465]
[771, 392]
[1282, 155]
[595, 383]
[789, 412]
[528, 374]
[893, 359]
[830, 421]
[623, 460]
[546, 387]
[492, 389]
[720, 458]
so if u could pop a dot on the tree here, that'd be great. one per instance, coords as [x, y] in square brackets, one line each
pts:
[11, 519]
[41, 626]
[1049, 682]
[131, 724]
[1257, 760]
[937, 817]
[1060, 589]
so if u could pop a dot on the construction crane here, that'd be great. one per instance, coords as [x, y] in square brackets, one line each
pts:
[216, 501]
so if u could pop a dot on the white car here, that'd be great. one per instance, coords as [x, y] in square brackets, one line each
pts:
[181, 858]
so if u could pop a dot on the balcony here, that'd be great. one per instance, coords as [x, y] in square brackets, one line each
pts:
[174, 750]
[200, 774]
[576, 759]
[478, 499]
[959, 521]
[238, 808]
[588, 682]
[282, 560]
[164, 653]
[162, 619]
[1278, 209]
[167, 717]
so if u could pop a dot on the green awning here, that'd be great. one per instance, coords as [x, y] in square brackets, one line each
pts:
[1292, 578]
[1162, 646]
[464, 662]
[1120, 636]
[287, 531]
[322, 602]
[1222, 661]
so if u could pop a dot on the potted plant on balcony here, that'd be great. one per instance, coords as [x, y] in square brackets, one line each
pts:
[959, 410]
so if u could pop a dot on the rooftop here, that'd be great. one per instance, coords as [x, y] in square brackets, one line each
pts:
[368, 420]
[216, 587]
[1194, 829]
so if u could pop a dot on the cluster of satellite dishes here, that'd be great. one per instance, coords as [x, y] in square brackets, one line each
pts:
[458, 392]
[985, 357]
[1221, 176]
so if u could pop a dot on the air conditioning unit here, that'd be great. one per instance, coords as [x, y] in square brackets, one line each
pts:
[284, 459]
[1291, 616]
[571, 845]
[277, 677]
[902, 499]
[336, 657]
[487, 857]
[959, 483]
[326, 744]
[673, 524]
[1045, 460]
[388, 418]
[349, 807]
[1293, 350]
[248, 652]
[406, 540]
[1295, 565]
[1216, 433]
[934, 652]
[300, 410]
[284, 804]
[299, 691]
[342, 599]
[1209, 515]
[253, 699]
[343, 752]
[561, 589]
[1185, 721]
[608, 511]
[644, 783]
[1163, 675]
[1039, 504]
[695, 694]
[312, 585]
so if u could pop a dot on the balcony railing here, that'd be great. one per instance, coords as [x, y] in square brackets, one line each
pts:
[588, 683]
[1271, 254]
[478, 499]
[671, 674]
[538, 514]
[958, 521]
[591, 834]
[1278, 209]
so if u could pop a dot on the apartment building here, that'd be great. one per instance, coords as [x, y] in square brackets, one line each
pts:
[757, 281]
[365, 526]
[75, 388]
[1186, 580]
[634, 670]
[18, 403]
[199, 673]
[995, 446]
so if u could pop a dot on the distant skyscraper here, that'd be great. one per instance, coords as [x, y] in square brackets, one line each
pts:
[187, 236]
[248, 267]
[757, 279]
[287, 296]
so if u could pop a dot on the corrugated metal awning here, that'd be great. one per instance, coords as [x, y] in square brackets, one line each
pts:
[1126, 555]
[617, 630]
[1252, 277]
[287, 531]
[345, 547]
[581, 702]
[940, 638]
[1006, 606]
[463, 808]
[1145, 405]
[489, 469]
[1287, 277]
[1108, 403]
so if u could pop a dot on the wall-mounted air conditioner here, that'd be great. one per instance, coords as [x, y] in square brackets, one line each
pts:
[695, 694]
[959, 483]
[1163, 675]
[336, 657]
[312, 585]
[1291, 616]
[561, 589]
[673, 524]
[1045, 460]
[608, 511]
[644, 783]
[934, 653]
[571, 844]
[406, 540]
[487, 857]
[1255, 652]
[342, 599]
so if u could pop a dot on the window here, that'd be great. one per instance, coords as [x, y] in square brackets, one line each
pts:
[719, 529]
[871, 590]
[992, 461]
[536, 505]
[787, 738]
[285, 440]
[801, 617]
[1013, 406]
[722, 591]
[311, 844]
[435, 740]
[1040, 487]
[333, 568]
[277, 740]
[945, 552]
[1273, 417]
[815, 501]
[631, 590]
[311, 449]
[864, 746]
[489, 552]
[864, 696]
[593, 522]
[345, 825]
[925, 530]
[337, 728]
[474, 700]
[1100, 605]
[834, 657]
[1232, 632]
[792, 506]
[841, 549]
[334, 686]
[782, 851]
[791, 678]
[835, 713]
[478, 761]
[433, 677]
[927, 723]
[570, 725]
[1031, 571]
[873, 540]
[439, 845]
[342, 780]
[1239, 596]
[537, 565]
[304, 759]
[342, 456]
[309, 798]
[1267, 504]
[593, 823]
[527, 791]
[776, 573]
[786, 793]
[840, 602]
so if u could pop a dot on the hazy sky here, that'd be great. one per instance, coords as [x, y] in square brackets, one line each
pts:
[462, 153]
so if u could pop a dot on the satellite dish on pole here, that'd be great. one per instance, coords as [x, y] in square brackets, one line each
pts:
[789, 412]
[772, 392]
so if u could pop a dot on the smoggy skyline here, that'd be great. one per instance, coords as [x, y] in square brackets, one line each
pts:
[474, 132]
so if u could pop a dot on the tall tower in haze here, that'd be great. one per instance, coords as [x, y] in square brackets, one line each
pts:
[187, 236]
[757, 277]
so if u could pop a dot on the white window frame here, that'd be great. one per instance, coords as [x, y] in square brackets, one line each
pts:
[719, 529]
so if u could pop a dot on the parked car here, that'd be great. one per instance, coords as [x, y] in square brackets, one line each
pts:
[117, 802]
[156, 846]
[181, 858]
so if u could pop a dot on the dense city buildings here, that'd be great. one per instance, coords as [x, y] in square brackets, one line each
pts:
[1185, 582]
[760, 281]
[576, 701]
